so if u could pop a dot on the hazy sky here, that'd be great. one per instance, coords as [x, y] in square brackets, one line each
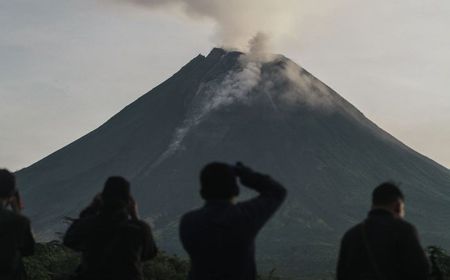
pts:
[68, 66]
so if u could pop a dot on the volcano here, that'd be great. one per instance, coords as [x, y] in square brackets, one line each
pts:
[270, 114]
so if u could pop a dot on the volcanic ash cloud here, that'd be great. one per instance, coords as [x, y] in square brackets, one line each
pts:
[236, 20]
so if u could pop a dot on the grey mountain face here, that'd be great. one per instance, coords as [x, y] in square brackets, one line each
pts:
[270, 114]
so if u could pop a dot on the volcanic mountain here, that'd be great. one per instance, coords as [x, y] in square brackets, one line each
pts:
[268, 113]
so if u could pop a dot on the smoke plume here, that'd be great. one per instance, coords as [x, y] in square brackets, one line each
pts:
[263, 22]
[237, 20]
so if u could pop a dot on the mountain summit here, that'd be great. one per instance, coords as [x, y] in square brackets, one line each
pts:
[268, 113]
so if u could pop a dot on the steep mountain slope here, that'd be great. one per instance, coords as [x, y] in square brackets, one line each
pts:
[268, 113]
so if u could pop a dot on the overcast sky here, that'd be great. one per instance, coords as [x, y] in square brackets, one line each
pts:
[68, 66]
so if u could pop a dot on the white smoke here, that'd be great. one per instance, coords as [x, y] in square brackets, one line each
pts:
[237, 20]
[235, 87]
[264, 21]
[305, 89]
[239, 83]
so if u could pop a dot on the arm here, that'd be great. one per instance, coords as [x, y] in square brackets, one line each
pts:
[342, 269]
[27, 246]
[26, 243]
[76, 233]
[93, 208]
[271, 195]
[75, 236]
[414, 261]
[149, 247]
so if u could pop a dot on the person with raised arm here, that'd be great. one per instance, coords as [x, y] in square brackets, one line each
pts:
[220, 236]
[113, 241]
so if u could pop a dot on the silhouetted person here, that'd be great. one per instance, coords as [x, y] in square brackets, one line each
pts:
[220, 236]
[113, 241]
[16, 239]
[384, 246]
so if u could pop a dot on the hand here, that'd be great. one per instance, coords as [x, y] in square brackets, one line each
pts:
[15, 204]
[241, 170]
[93, 208]
[97, 198]
[96, 203]
[133, 209]
[247, 176]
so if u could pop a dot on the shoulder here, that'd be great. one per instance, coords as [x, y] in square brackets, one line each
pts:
[353, 233]
[14, 218]
[7, 215]
[24, 221]
[192, 220]
[138, 225]
[405, 227]
[85, 224]
[192, 215]
[89, 220]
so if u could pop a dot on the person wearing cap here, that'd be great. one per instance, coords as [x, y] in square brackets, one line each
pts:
[220, 236]
[384, 245]
[113, 241]
[16, 238]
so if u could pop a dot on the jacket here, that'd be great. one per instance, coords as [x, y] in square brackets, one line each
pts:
[220, 236]
[16, 241]
[112, 245]
[382, 247]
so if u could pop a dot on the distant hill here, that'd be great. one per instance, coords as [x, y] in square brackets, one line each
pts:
[273, 116]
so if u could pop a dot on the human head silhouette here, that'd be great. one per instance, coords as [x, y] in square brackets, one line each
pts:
[7, 184]
[388, 196]
[218, 182]
[116, 192]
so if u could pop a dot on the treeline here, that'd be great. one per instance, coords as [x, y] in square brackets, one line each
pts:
[53, 261]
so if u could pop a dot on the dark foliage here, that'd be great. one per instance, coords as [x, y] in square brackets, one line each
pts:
[440, 263]
[53, 261]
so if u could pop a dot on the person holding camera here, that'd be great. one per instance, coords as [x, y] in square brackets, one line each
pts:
[113, 241]
[16, 239]
[220, 236]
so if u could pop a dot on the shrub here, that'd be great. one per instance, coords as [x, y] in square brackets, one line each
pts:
[53, 261]
[440, 263]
